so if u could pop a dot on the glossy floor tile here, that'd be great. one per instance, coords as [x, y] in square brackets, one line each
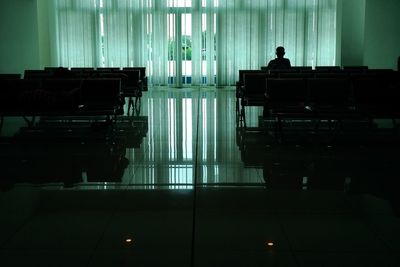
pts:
[184, 183]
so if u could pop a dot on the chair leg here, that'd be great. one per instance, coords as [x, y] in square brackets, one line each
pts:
[278, 129]
[30, 122]
[238, 111]
[138, 104]
[237, 105]
[130, 104]
[317, 122]
[243, 116]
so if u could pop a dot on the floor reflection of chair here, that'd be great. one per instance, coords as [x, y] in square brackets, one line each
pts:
[287, 168]
[286, 99]
[36, 162]
[68, 152]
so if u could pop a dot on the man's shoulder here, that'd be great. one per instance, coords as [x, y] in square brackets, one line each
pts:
[286, 61]
[272, 61]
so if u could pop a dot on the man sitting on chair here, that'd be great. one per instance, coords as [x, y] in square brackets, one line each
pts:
[279, 62]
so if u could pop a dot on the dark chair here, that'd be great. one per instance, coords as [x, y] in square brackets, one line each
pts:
[101, 96]
[17, 97]
[332, 75]
[82, 69]
[10, 76]
[376, 98]
[327, 68]
[240, 85]
[253, 93]
[278, 72]
[51, 68]
[133, 88]
[130, 85]
[82, 73]
[55, 97]
[38, 74]
[108, 69]
[143, 76]
[296, 75]
[355, 68]
[331, 99]
[287, 99]
[10, 93]
[381, 73]
[61, 85]
[302, 68]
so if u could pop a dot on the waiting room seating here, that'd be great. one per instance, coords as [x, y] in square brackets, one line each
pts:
[82, 69]
[286, 98]
[133, 79]
[240, 86]
[327, 68]
[377, 98]
[302, 68]
[143, 76]
[38, 74]
[355, 68]
[60, 97]
[107, 69]
[253, 94]
[324, 96]
[10, 76]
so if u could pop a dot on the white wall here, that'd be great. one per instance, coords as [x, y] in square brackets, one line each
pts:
[352, 32]
[19, 47]
[382, 33]
[44, 33]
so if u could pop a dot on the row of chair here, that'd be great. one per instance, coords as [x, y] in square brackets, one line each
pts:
[309, 73]
[337, 98]
[85, 70]
[133, 80]
[321, 68]
[290, 73]
[61, 97]
[59, 162]
[129, 77]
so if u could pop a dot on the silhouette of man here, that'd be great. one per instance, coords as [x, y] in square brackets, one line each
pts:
[279, 62]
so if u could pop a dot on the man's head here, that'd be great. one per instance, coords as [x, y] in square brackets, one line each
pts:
[280, 51]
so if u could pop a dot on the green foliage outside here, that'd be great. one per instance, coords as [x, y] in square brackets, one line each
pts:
[186, 48]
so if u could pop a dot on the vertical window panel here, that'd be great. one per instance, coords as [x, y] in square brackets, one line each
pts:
[217, 37]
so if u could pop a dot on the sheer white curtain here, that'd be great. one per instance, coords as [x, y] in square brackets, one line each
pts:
[135, 33]
[248, 31]
[78, 35]
[223, 36]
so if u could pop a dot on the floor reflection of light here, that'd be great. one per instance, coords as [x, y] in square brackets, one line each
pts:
[172, 134]
[128, 241]
[204, 127]
[180, 176]
[187, 129]
[305, 183]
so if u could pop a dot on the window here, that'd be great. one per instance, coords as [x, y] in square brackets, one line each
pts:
[198, 42]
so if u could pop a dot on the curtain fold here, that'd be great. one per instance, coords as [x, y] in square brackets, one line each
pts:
[208, 41]
[78, 41]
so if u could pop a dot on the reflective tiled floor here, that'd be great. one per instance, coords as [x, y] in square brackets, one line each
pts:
[182, 183]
